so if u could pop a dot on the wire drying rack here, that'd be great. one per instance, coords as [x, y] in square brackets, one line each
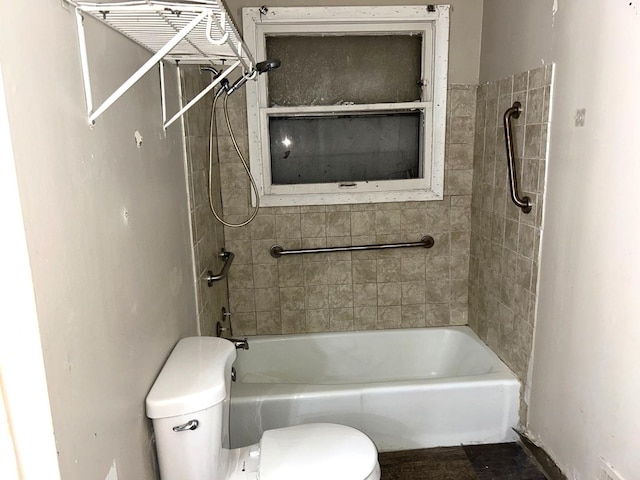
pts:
[191, 32]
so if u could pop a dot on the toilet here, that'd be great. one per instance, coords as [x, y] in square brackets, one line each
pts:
[189, 407]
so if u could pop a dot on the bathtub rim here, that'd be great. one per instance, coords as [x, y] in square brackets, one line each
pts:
[500, 374]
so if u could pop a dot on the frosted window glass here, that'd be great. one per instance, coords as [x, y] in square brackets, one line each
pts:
[333, 69]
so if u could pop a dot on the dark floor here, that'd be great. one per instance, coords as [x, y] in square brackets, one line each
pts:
[503, 461]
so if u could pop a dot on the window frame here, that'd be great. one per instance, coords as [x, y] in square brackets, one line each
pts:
[432, 25]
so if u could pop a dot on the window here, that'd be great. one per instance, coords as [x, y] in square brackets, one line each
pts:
[356, 112]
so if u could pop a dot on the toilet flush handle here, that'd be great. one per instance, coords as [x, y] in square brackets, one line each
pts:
[190, 425]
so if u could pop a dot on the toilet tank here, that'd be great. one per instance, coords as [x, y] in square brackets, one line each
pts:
[189, 405]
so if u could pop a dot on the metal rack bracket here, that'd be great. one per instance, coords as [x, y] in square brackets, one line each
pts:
[196, 32]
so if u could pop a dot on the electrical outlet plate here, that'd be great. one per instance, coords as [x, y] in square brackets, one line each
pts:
[607, 472]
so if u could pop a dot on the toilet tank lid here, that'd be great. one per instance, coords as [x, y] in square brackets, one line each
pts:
[193, 377]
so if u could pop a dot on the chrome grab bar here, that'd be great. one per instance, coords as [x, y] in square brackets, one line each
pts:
[228, 259]
[523, 203]
[427, 242]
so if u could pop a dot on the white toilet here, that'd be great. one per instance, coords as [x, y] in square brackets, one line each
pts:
[189, 406]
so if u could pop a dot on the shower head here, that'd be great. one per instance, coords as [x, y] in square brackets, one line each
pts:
[267, 65]
[261, 67]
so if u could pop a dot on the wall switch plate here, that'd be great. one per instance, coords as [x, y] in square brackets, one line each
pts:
[607, 472]
[580, 117]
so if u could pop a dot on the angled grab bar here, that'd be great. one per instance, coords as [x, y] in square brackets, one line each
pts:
[228, 260]
[426, 242]
[523, 203]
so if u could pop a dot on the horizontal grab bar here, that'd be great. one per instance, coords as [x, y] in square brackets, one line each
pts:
[426, 242]
[523, 203]
[228, 260]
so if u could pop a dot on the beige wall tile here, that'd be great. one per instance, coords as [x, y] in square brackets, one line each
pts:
[389, 317]
[292, 298]
[365, 294]
[241, 277]
[315, 273]
[293, 321]
[363, 223]
[339, 291]
[288, 226]
[340, 296]
[413, 293]
[340, 319]
[413, 220]
[265, 276]
[338, 224]
[387, 222]
[316, 297]
[317, 320]
[313, 224]
[242, 300]
[388, 270]
[244, 323]
[267, 299]
[413, 268]
[437, 314]
[365, 318]
[389, 293]
[413, 316]
[263, 227]
[437, 291]
[268, 323]
[364, 271]
[340, 272]
[289, 275]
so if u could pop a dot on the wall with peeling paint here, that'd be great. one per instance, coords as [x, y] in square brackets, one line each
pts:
[107, 226]
[584, 381]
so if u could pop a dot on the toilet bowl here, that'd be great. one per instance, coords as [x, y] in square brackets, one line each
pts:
[189, 407]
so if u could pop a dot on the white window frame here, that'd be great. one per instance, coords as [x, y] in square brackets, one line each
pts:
[431, 23]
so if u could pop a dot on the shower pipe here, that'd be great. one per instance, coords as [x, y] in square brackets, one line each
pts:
[261, 67]
[523, 203]
[426, 242]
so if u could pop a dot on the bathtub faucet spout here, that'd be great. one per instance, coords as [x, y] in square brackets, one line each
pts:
[240, 343]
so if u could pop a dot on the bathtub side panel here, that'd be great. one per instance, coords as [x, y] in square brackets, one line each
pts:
[446, 415]
[431, 414]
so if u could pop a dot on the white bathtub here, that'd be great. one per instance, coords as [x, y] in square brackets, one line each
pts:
[406, 389]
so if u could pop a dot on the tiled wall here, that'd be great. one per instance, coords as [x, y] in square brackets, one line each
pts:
[351, 290]
[505, 242]
[208, 235]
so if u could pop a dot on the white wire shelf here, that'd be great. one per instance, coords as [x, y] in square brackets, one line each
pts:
[190, 32]
[153, 24]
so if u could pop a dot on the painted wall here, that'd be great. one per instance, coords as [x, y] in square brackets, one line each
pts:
[516, 37]
[107, 227]
[26, 427]
[464, 37]
[585, 369]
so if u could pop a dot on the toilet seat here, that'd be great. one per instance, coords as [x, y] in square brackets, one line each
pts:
[317, 451]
